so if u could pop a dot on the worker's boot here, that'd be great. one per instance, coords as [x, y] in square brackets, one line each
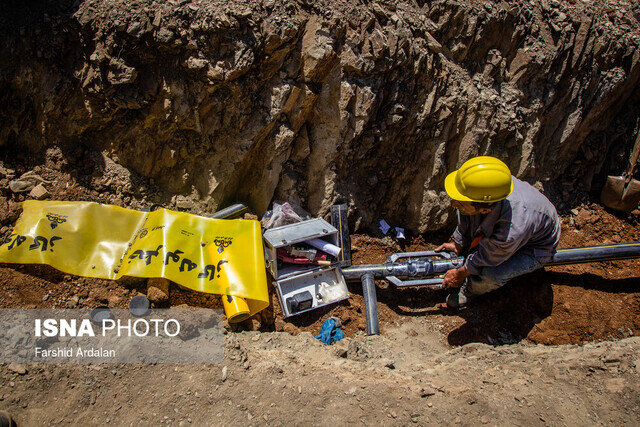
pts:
[461, 298]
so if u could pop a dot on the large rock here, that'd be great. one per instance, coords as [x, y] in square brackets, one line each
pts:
[370, 104]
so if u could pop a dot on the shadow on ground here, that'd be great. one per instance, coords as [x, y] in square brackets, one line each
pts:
[575, 301]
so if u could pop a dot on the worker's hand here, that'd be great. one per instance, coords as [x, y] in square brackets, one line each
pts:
[454, 278]
[449, 247]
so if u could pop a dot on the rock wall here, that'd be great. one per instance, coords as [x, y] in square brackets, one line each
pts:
[366, 102]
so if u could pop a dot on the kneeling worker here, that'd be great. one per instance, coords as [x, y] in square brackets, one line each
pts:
[506, 228]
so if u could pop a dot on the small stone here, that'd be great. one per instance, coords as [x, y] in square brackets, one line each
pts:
[158, 290]
[427, 391]
[134, 28]
[183, 203]
[46, 297]
[484, 419]
[340, 352]
[72, 302]
[352, 390]
[224, 373]
[390, 364]
[575, 211]
[165, 35]
[14, 211]
[17, 368]
[21, 186]
[119, 25]
[216, 72]
[120, 73]
[393, 414]
[279, 324]
[194, 63]
[39, 192]
[5, 172]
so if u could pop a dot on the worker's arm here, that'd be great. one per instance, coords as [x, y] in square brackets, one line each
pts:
[454, 278]
[460, 238]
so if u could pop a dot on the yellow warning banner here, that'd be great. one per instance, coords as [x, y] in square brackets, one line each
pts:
[95, 240]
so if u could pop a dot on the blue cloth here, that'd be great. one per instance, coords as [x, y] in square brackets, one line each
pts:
[330, 332]
[492, 278]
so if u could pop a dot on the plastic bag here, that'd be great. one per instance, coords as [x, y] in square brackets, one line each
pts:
[283, 214]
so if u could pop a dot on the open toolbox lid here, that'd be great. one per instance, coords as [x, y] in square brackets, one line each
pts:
[291, 234]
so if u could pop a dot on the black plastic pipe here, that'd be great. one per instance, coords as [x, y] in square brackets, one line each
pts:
[596, 253]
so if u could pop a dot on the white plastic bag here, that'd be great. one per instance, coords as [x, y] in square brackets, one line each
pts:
[283, 214]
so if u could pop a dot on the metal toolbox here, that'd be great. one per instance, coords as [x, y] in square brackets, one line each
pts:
[302, 287]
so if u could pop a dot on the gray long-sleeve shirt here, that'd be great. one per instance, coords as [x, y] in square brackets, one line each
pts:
[525, 221]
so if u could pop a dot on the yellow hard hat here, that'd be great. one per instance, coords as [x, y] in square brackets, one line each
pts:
[481, 179]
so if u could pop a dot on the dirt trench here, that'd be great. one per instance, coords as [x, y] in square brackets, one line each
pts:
[429, 365]
[560, 305]
[183, 102]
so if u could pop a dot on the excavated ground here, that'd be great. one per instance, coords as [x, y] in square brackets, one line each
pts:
[138, 102]
[417, 371]
[561, 305]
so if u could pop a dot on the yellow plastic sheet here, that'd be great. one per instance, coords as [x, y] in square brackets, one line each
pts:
[90, 239]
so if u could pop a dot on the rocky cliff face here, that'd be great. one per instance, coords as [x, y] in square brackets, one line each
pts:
[365, 102]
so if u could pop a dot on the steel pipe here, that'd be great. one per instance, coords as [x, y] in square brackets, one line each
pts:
[370, 304]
